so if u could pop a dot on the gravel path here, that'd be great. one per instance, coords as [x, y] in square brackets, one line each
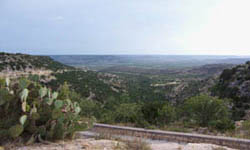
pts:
[78, 144]
[87, 142]
[190, 146]
[92, 144]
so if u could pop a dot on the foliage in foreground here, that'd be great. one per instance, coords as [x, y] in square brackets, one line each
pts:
[208, 111]
[199, 111]
[33, 112]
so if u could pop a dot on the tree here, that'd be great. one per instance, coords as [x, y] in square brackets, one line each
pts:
[158, 112]
[64, 91]
[128, 113]
[208, 111]
[150, 111]
[90, 108]
[166, 114]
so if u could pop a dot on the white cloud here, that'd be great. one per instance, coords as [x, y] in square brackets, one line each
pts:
[226, 30]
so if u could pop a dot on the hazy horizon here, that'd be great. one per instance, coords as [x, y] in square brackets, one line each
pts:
[42, 54]
[107, 54]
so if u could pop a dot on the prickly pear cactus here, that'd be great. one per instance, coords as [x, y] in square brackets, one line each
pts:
[43, 92]
[24, 95]
[35, 116]
[49, 101]
[55, 95]
[7, 81]
[56, 113]
[77, 110]
[23, 119]
[23, 83]
[58, 104]
[32, 110]
[4, 96]
[15, 131]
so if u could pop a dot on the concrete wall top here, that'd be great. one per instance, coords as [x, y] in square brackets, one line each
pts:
[159, 132]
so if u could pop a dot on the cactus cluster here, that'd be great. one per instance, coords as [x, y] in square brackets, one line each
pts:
[33, 111]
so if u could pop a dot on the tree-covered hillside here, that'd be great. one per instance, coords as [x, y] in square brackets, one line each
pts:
[22, 62]
[179, 101]
[86, 83]
[235, 84]
[47, 71]
[139, 84]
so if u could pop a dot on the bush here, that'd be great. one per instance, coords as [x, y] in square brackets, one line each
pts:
[166, 114]
[129, 113]
[28, 110]
[107, 116]
[158, 113]
[246, 129]
[208, 111]
[90, 108]
[222, 124]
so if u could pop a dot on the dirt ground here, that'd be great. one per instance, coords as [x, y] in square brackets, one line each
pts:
[92, 144]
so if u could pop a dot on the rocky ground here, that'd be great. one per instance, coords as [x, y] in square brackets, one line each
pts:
[92, 144]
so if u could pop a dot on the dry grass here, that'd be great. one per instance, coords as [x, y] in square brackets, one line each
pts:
[136, 144]
[218, 148]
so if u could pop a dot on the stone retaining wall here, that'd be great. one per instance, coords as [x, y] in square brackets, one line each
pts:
[242, 144]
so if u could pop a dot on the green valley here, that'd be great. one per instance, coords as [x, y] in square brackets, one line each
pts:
[180, 99]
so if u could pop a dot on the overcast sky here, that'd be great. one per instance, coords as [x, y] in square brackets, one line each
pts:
[215, 27]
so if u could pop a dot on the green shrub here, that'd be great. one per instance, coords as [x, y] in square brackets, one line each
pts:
[222, 124]
[129, 112]
[208, 111]
[107, 117]
[28, 110]
[166, 114]
[90, 108]
[158, 113]
[246, 129]
[123, 113]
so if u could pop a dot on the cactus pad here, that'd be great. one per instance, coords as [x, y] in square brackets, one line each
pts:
[15, 131]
